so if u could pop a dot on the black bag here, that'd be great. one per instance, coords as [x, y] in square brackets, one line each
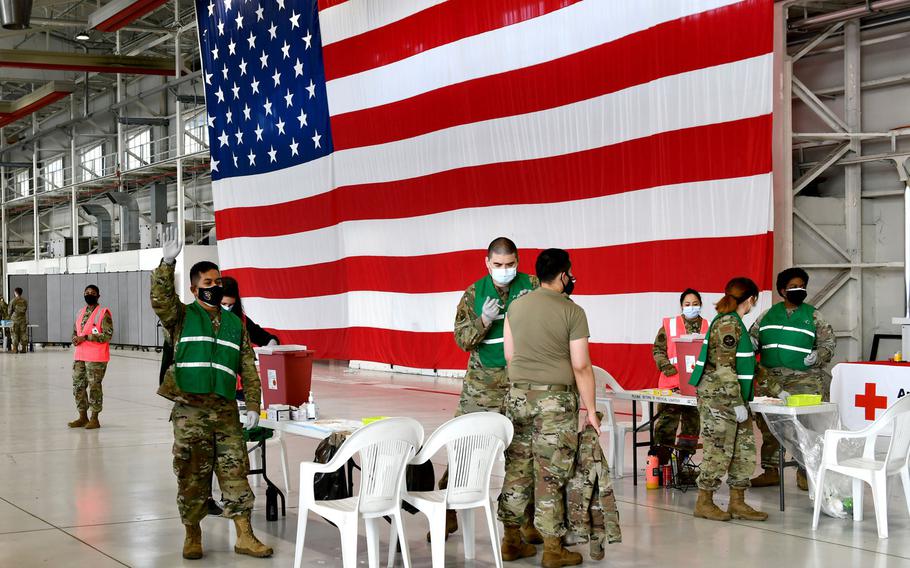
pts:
[419, 478]
[337, 484]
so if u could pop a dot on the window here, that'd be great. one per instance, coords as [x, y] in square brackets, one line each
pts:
[139, 149]
[196, 137]
[91, 163]
[23, 183]
[53, 174]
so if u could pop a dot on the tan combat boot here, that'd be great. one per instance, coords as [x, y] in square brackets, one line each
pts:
[739, 509]
[79, 422]
[247, 543]
[513, 548]
[530, 534]
[555, 554]
[192, 544]
[93, 423]
[770, 478]
[706, 509]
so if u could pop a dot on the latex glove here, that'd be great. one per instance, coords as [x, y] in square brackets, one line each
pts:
[783, 395]
[741, 414]
[271, 342]
[755, 343]
[171, 245]
[490, 311]
[252, 420]
[811, 359]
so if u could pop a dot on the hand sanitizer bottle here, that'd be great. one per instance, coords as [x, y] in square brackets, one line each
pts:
[311, 408]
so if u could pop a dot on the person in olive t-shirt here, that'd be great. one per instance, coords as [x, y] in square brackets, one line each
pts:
[546, 346]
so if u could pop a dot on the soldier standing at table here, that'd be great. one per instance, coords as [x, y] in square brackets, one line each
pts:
[211, 347]
[478, 330]
[18, 311]
[796, 344]
[92, 333]
[724, 375]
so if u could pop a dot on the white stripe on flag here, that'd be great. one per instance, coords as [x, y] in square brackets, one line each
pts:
[355, 17]
[709, 96]
[583, 223]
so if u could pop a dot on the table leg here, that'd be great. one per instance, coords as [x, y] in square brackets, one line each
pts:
[634, 443]
[780, 472]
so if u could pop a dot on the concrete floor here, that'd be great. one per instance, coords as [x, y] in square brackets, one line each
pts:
[76, 498]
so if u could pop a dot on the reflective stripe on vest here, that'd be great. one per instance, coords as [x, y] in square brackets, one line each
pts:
[786, 338]
[92, 351]
[206, 362]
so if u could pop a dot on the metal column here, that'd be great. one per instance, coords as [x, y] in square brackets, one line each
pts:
[181, 197]
[782, 144]
[853, 184]
[36, 225]
[74, 212]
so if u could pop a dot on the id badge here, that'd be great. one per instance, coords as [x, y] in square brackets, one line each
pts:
[94, 331]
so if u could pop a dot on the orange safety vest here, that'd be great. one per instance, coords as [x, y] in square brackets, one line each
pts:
[674, 328]
[92, 351]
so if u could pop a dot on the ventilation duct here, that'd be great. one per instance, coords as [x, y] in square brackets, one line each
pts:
[102, 224]
[129, 219]
[15, 14]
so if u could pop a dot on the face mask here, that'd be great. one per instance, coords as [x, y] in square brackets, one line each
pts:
[567, 289]
[211, 296]
[503, 276]
[91, 299]
[691, 312]
[227, 307]
[796, 296]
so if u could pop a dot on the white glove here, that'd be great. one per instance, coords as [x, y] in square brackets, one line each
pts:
[252, 419]
[490, 311]
[271, 343]
[755, 343]
[811, 359]
[741, 414]
[783, 395]
[171, 245]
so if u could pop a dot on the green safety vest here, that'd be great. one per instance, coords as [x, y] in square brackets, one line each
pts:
[745, 359]
[490, 349]
[786, 340]
[206, 363]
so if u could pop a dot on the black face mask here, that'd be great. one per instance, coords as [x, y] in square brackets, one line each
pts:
[211, 296]
[570, 287]
[91, 299]
[796, 296]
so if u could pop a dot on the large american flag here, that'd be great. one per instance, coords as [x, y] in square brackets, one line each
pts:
[364, 152]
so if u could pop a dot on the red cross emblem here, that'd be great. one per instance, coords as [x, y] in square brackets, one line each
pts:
[871, 402]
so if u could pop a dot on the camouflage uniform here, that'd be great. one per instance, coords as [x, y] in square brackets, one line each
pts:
[19, 314]
[541, 458]
[207, 431]
[4, 314]
[671, 415]
[87, 375]
[590, 504]
[729, 447]
[770, 382]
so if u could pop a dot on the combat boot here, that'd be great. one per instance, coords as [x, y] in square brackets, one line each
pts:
[739, 509]
[451, 524]
[93, 423]
[530, 534]
[555, 555]
[706, 509]
[247, 543]
[770, 478]
[801, 481]
[79, 422]
[192, 544]
[513, 548]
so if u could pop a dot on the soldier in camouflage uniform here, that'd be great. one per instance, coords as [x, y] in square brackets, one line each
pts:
[724, 375]
[546, 344]
[18, 311]
[478, 330]
[92, 333]
[799, 368]
[4, 314]
[207, 430]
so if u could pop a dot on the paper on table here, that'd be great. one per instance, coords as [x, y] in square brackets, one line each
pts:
[768, 400]
[268, 350]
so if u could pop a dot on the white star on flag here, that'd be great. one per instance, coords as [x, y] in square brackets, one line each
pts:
[220, 94]
[272, 30]
[236, 90]
[272, 152]
[288, 97]
[223, 138]
[276, 77]
[220, 27]
[311, 88]
[258, 133]
[213, 164]
[227, 5]
[242, 67]
[259, 14]
[280, 125]
[211, 121]
[286, 50]
[302, 118]
[255, 85]
[229, 115]
[232, 47]
[268, 107]
[316, 138]
[252, 158]
[246, 111]
[308, 38]
[251, 40]
[293, 146]
[298, 69]
[239, 136]
[294, 17]
[239, 21]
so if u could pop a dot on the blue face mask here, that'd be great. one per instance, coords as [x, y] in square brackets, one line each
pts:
[691, 312]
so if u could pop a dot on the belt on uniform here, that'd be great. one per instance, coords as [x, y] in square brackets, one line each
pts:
[539, 387]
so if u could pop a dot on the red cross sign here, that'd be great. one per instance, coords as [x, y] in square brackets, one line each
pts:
[871, 402]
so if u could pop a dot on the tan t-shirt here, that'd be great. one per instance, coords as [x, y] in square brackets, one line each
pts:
[543, 322]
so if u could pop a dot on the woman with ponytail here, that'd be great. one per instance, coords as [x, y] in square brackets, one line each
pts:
[723, 376]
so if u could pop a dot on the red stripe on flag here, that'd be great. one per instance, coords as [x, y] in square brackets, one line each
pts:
[437, 25]
[631, 365]
[695, 42]
[718, 151]
[323, 4]
[659, 266]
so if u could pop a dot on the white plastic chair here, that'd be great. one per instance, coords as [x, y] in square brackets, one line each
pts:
[867, 468]
[385, 448]
[473, 442]
[606, 385]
